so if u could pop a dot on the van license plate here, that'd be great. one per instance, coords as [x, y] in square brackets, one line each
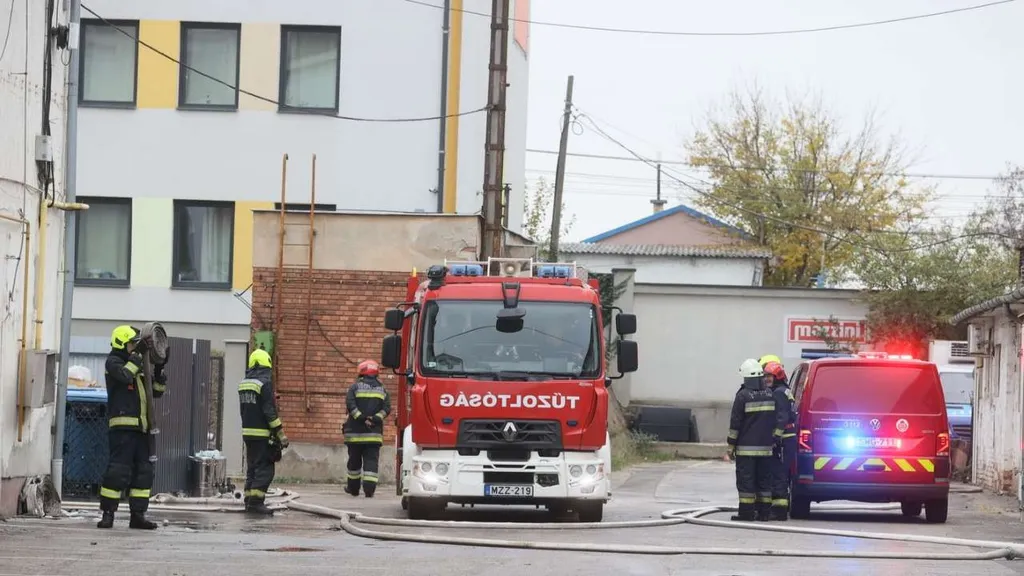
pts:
[508, 490]
[877, 442]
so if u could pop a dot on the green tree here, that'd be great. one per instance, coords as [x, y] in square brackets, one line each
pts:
[912, 293]
[779, 172]
[537, 216]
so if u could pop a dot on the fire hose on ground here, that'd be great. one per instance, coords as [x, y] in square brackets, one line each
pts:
[690, 515]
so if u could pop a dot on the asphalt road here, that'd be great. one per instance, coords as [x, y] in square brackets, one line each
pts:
[224, 544]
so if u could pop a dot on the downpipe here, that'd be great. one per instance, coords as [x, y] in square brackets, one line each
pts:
[690, 515]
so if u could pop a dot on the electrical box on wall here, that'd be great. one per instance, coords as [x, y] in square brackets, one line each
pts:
[264, 339]
[40, 378]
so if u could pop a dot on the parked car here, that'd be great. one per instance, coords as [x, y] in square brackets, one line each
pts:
[958, 387]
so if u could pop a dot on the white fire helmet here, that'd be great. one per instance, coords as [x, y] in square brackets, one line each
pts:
[751, 369]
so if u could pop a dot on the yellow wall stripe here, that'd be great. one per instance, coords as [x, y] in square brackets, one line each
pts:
[259, 64]
[158, 76]
[242, 267]
[451, 141]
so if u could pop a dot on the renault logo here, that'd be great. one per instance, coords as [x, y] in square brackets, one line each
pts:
[509, 432]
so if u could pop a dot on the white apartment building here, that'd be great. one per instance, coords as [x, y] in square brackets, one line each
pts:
[173, 162]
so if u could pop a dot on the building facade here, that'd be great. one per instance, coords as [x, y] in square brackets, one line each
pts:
[32, 96]
[188, 107]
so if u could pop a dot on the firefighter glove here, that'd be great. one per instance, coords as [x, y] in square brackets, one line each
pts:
[731, 452]
[282, 439]
[136, 359]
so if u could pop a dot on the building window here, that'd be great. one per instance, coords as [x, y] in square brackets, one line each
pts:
[210, 48]
[310, 68]
[109, 54]
[103, 253]
[203, 243]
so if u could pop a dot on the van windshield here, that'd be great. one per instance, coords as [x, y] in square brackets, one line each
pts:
[957, 386]
[875, 389]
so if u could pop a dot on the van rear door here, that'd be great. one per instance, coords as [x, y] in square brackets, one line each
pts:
[877, 422]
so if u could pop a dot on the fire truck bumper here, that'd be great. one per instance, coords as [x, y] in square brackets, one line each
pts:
[447, 475]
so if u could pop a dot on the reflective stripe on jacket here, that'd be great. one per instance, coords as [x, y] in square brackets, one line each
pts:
[258, 404]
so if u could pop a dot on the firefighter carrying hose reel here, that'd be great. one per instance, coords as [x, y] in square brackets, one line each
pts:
[134, 374]
[751, 442]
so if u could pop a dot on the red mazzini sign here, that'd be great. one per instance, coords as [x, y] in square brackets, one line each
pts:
[811, 330]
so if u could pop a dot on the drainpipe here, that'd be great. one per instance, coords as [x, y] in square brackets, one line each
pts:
[445, 33]
[70, 237]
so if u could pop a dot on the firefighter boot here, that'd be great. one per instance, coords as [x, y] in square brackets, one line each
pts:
[257, 507]
[369, 488]
[139, 522]
[352, 487]
[745, 513]
[107, 521]
[762, 511]
[779, 514]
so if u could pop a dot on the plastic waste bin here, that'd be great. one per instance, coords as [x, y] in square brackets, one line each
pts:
[85, 443]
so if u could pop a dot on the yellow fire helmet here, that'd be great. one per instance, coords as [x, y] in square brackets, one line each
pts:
[764, 360]
[259, 357]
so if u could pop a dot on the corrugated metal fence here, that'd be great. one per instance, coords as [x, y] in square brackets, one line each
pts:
[183, 416]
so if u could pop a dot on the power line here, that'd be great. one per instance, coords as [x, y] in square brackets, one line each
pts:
[136, 39]
[711, 34]
[781, 168]
[766, 217]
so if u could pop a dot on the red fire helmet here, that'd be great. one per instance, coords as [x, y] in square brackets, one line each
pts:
[369, 368]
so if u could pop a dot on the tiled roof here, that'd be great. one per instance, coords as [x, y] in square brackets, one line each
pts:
[665, 250]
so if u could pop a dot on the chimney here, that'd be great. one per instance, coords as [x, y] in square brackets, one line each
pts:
[659, 205]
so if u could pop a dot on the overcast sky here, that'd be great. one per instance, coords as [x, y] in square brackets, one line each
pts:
[951, 86]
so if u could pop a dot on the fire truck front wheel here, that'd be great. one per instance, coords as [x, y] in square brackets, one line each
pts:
[424, 508]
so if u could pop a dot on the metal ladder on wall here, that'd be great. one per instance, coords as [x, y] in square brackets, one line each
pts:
[291, 239]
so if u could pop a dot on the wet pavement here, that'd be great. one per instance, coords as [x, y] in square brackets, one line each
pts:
[223, 544]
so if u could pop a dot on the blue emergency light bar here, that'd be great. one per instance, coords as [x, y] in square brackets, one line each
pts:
[554, 271]
[466, 270]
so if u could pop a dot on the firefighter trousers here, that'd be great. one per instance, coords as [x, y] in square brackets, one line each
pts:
[129, 467]
[363, 460]
[259, 469]
[754, 484]
[782, 476]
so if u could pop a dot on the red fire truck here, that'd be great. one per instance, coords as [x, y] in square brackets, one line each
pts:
[504, 387]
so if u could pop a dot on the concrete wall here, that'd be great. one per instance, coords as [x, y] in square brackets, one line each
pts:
[21, 98]
[693, 338]
[673, 270]
[998, 439]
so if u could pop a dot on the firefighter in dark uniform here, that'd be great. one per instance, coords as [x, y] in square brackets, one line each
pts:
[129, 423]
[785, 439]
[262, 431]
[751, 442]
[368, 405]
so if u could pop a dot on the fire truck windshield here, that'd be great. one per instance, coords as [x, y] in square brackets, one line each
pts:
[557, 339]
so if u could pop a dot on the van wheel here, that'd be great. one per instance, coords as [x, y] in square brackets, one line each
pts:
[911, 509]
[590, 511]
[936, 511]
[799, 508]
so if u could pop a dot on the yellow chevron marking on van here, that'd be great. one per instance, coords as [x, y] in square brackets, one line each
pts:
[820, 462]
[928, 465]
[904, 465]
[875, 462]
[844, 464]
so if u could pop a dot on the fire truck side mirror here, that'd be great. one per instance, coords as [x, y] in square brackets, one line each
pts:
[625, 324]
[391, 351]
[394, 319]
[627, 356]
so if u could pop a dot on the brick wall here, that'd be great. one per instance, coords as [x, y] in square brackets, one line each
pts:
[346, 326]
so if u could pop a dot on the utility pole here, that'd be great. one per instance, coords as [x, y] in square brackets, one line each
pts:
[494, 159]
[70, 238]
[658, 202]
[563, 147]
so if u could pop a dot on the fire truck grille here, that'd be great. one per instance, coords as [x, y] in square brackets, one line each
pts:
[522, 434]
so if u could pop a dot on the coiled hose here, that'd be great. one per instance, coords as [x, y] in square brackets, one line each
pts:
[690, 515]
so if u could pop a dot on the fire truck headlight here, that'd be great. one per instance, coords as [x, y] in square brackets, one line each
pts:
[426, 467]
[441, 469]
[575, 470]
[591, 469]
